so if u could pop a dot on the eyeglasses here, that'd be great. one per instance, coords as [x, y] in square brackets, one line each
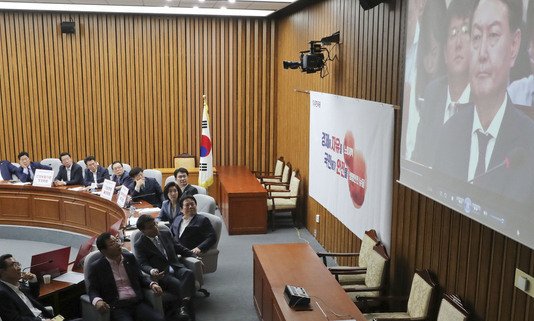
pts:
[463, 30]
[15, 264]
[116, 241]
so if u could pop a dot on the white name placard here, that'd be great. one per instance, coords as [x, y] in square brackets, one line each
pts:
[43, 178]
[123, 195]
[107, 189]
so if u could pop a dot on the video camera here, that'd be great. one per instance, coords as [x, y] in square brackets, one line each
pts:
[313, 60]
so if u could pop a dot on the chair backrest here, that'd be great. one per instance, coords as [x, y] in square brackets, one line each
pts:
[89, 259]
[126, 167]
[421, 294]
[170, 179]
[216, 222]
[286, 173]
[14, 177]
[279, 167]
[154, 173]
[294, 184]
[452, 309]
[376, 269]
[82, 164]
[55, 163]
[200, 189]
[370, 239]
[205, 203]
[184, 160]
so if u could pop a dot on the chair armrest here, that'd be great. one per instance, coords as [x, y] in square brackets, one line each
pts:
[287, 197]
[323, 255]
[154, 299]
[397, 319]
[276, 184]
[347, 271]
[277, 190]
[384, 298]
[378, 288]
[89, 312]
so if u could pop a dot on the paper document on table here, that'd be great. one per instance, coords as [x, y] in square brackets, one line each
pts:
[20, 183]
[77, 189]
[70, 277]
[148, 210]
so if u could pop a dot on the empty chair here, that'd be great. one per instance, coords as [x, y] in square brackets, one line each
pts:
[154, 173]
[283, 183]
[184, 160]
[284, 200]
[419, 301]
[452, 309]
[375, 279]
[55, 163]
[369, 240]
[205, 203]
[275, 176]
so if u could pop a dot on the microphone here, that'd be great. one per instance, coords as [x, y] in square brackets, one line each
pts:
[515, 159]
[38, 264]
[143, 195]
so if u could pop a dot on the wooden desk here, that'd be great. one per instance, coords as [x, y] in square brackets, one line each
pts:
[276, 265]
[243, 201]
[57, 208]
[213, 190]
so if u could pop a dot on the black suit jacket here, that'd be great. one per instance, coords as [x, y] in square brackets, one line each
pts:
[102, 284]
[151, 186]
[198, 233]
[515, 141]
[151, 258]
[190, 190]
[431, 121]
[76, 176]
[101, 174]
[34, 166]
[125, 180]
[12, 308]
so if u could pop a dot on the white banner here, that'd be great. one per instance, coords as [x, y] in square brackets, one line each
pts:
[351, 161]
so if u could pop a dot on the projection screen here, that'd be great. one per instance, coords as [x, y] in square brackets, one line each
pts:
[467, 124]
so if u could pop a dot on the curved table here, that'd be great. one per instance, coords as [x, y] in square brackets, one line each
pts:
[57, 208]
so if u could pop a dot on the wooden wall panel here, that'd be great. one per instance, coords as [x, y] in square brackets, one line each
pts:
[466, 257]
[130, 87]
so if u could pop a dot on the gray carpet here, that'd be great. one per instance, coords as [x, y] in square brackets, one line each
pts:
[231, 285]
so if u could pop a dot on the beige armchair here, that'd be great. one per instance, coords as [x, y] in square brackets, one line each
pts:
[452, 309]
[184, 160]
[375, 280]
[273, 176]
[419, 301]
[370, 239]
[284, 200]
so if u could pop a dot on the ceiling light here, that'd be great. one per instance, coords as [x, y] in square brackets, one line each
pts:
[61, 7]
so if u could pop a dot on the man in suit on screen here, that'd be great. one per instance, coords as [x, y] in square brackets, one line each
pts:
[491, 143]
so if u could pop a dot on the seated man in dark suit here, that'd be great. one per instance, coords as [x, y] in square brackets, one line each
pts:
[7, 170]
[94, 173]
[146, 188]
[121, 177]
[182, 178]
[116, 282]
[27, 168]
[193, 230]
[17, 301]
[69, 173]
[157, 253]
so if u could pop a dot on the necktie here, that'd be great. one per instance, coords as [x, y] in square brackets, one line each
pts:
[31, 172]
[483, 140]
[160, 246]
[451, 109]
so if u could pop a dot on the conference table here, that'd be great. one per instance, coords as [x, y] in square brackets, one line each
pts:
[62, 209]
[296, 264]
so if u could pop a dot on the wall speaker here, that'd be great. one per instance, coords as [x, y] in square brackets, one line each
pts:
[368, 4]
[68, 27]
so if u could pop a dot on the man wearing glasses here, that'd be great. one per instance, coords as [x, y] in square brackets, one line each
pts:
[121, 177]
[17, 301]
[444, 96]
